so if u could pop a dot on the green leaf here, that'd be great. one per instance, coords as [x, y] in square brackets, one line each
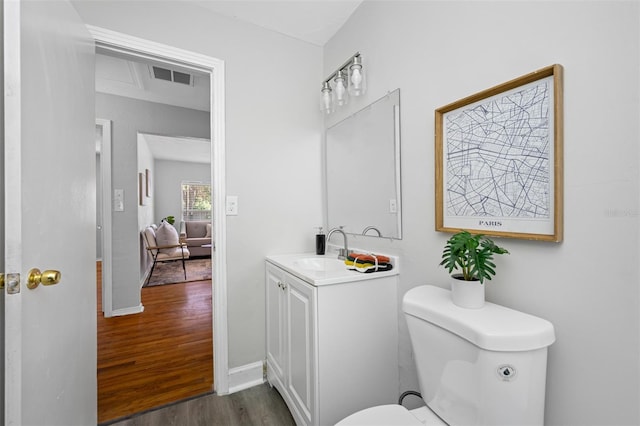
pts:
[472, 254]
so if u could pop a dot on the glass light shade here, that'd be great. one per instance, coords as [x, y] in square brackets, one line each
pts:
[326, 99]
[357, 82]
[341, 95]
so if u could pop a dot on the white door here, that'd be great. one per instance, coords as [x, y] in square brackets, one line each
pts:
[50, 353]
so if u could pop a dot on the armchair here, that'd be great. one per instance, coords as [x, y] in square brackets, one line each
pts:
[164, 252]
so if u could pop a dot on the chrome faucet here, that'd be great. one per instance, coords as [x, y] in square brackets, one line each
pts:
[343, 252]
[369, 228]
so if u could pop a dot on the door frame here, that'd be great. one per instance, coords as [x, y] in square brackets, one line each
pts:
[216, 68]
[107, 204]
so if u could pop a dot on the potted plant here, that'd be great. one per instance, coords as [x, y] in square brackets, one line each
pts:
[170, 219]
[473, 256]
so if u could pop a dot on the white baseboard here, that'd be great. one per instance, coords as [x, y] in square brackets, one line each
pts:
[127, 311]
[245, 376]
[143, 280]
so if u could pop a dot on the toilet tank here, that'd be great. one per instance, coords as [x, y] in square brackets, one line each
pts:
[478, 366]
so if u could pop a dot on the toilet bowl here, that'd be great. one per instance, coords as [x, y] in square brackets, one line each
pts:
[475, 366]
[392, 415]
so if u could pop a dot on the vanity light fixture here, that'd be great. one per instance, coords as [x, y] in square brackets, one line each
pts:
[348, 80]
[341, 95]
[326, 99]
[356, 77]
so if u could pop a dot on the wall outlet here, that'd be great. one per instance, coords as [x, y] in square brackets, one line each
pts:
[393, 206]
[118, 200]
[232, 205]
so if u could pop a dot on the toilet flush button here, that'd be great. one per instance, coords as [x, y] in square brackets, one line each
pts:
[507, 372]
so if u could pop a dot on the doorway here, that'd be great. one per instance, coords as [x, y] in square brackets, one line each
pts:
[169, 162]
[125, 44]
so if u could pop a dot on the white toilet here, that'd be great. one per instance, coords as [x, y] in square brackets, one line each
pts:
[475, 366]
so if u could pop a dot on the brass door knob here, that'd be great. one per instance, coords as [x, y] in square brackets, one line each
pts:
[48, 277]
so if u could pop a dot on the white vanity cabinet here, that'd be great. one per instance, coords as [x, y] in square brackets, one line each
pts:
[331, 349]
[290, 341]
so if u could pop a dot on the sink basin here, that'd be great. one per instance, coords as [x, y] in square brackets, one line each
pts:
[319, 264]
[320, 270]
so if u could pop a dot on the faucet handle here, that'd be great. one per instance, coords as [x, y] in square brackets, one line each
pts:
[343, 253]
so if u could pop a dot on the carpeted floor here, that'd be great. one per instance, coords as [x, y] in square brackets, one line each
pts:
[198, 269]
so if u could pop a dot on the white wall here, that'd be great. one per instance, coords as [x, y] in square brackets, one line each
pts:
[145, 162]
[272, 141]
[439, 52]
[130, 116]
[145, 211]
[167, 187]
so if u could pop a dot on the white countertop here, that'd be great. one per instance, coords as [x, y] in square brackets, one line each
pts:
[334, 271]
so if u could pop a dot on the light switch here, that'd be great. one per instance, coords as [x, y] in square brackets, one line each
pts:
[393, 206]
[118, 200]
[232, 205]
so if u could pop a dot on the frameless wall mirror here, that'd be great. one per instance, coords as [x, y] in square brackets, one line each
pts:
[363, 170]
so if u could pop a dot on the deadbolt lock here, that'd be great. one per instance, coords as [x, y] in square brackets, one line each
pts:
[48, 277]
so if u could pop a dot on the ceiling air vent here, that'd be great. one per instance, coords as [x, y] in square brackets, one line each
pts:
[180, 77]
[174, 76]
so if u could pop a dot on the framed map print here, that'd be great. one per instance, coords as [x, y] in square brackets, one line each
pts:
[498, 157]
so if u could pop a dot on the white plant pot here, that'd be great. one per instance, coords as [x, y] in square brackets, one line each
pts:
[467, 294]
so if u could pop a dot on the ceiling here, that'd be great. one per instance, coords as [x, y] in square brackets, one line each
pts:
[312, 21]
[191, 150]
[121, 75]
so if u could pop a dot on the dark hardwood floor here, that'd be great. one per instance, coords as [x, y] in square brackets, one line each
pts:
[260, 405]
[148, 361]
[157, 357]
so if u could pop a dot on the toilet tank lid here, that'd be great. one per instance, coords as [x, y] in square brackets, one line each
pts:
[493, 327]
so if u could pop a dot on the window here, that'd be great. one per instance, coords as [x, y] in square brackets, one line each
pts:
[196, 201]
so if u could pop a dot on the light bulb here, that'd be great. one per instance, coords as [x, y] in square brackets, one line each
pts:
[326, 101]
[341, 89]
[356, 77]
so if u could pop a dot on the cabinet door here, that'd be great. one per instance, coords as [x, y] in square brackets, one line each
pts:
[301, 347]
[276, 325]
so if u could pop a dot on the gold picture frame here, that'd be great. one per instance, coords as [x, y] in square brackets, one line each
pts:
[499, 159]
